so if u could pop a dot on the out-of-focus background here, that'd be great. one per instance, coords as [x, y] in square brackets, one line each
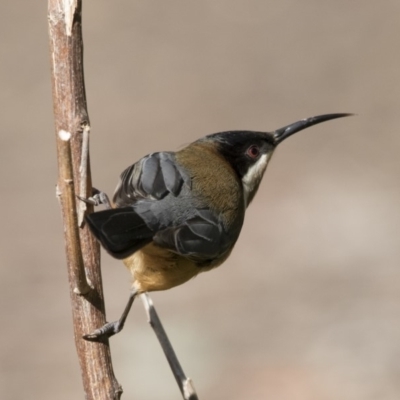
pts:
[308, 305]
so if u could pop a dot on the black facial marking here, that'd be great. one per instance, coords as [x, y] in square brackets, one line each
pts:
[242, 149]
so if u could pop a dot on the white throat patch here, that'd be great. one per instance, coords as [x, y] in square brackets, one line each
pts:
[253, 176]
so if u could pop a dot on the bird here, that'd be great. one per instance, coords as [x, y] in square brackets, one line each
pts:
[177, 214]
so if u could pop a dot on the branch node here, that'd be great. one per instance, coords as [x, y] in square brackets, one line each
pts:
[58, 192]
[82, 283]
[189, 392]
[84, 290]
[64, 135]
[118, 392]
[70, 7]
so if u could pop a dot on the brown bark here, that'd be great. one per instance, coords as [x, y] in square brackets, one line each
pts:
[83, 255]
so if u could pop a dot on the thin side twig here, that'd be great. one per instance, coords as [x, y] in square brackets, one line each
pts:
[66, 190]
[185, 384]
[83, 172]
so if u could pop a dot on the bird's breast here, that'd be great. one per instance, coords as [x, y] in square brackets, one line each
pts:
[154, 268]
[214, 182]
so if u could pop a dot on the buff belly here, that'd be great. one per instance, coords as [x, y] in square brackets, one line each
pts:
[154, 268]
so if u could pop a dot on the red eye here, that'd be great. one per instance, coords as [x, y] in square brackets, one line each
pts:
[253, 151]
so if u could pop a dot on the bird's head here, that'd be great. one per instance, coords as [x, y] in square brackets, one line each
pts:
[249, 152]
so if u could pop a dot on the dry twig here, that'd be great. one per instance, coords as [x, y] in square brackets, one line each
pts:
[185, 384]
[83, 257]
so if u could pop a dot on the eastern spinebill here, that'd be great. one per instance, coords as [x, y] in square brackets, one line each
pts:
[176, 214]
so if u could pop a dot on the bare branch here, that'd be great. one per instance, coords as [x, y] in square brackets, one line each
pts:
[83, 256]
[185, 384]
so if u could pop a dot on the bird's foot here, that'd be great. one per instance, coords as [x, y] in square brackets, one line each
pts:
[107, 330]
[98, 197]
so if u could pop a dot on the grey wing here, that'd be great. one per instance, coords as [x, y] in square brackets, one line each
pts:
[152, 178]
[201, 238]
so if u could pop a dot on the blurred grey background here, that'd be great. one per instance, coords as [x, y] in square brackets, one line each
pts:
[308, 305]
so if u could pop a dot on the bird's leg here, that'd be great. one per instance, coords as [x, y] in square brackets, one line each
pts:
[111, 328]
[97, 198]
[185, 384]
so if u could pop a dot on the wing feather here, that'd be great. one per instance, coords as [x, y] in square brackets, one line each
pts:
[202, 237]
[157, 191]
[153, 177]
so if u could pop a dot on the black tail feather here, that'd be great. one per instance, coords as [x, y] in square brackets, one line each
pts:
[120, 230]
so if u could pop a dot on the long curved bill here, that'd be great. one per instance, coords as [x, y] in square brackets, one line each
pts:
[283, 133]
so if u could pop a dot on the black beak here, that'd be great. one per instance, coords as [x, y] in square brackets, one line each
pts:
[281, 134]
